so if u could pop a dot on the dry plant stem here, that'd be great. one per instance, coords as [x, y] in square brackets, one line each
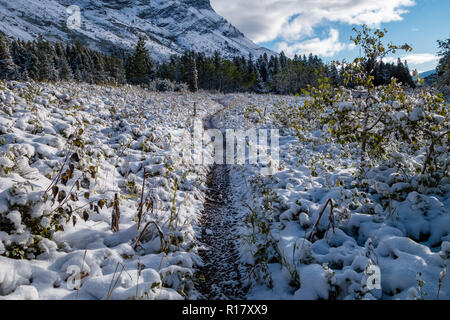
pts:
[161, 234]
[111, 289]
[66, 198]
[141, 203]
[115, 214]
[82, 266]
[56, 179]
[431, 149]
[115, 283]
[138, 276]
[331, 222]
[110, 284]
[441, 277]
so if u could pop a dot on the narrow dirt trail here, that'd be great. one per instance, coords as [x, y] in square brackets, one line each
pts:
[222, 268]
[222, 277]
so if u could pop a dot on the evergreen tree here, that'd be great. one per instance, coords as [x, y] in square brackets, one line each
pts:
[33, 67]
[8, 69]
[217, 61]
[192, 73]
[274, 66]
[139, 65]
[20, 59]
[65, 72]
[62, 65]
[443, 68]
[263, 67]
[42, 61]
[116, 70]
[46, 67]
[283, 60]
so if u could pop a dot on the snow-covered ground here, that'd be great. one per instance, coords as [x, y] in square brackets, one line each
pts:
[67, 150]
[404, 246]
[98, 141]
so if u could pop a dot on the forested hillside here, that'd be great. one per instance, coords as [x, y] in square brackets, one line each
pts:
[41, 60]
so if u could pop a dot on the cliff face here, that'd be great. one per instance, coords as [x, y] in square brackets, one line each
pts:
[199, 4]
[170, 26]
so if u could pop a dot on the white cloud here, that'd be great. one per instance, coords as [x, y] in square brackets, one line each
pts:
[266, 20]
[324, 47]
[294, 20]
[415, 59]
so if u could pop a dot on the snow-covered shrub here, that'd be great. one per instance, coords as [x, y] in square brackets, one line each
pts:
[161, 85]
[165, 85]
[446, 92]
[181, 87]
[381, 120]
[390, 204]
[34, 211]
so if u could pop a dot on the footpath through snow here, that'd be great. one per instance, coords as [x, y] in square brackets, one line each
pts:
[222, 275]
[100, 198]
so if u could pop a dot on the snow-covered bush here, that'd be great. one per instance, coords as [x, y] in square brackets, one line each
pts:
[446, 92]
[161, 85]
[381, 120]
[384, 218]
[165, 85]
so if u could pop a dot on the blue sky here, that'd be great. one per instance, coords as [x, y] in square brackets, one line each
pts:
[324, 27]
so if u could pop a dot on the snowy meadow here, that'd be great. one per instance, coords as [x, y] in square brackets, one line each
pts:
[98, 199]
[319, 228]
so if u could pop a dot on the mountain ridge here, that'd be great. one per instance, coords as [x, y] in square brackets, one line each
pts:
[427, 73]
[170, 27]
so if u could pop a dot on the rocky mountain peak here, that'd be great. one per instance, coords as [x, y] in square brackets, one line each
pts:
[170, 26]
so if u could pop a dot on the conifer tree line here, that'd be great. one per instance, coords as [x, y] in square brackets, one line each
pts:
[41, 60]
[280, 75]
[383, 72]
[443, 68]
[275, 74]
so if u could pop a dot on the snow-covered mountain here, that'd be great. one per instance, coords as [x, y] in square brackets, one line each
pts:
[170, 26]
[427, 73]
